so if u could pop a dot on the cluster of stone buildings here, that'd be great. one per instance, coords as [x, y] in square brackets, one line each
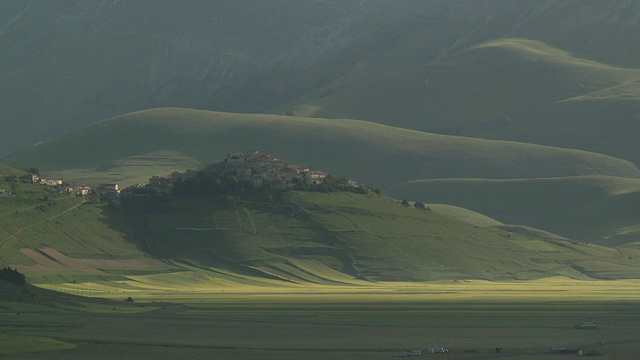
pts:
[258, 169]
[58, 184]
[42, 180]
[262, 170]
[164, 184]
[109, 191]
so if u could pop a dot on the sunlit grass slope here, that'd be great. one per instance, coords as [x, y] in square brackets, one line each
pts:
[29, 204]
[514, 89]
[600, 209]
[311, 237]
[54, 237]
[132, 147]
[91, 243]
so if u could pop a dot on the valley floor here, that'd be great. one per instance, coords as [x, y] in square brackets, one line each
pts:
[528, 320]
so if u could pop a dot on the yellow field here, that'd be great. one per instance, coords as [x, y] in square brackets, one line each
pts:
[190, 285]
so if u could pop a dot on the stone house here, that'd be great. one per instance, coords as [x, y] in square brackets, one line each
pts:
[108, 191]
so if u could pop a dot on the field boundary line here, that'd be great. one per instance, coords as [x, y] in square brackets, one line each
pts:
[20, 230]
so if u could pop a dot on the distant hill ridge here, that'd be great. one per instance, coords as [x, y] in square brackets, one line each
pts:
[133, 147]
[510, 89]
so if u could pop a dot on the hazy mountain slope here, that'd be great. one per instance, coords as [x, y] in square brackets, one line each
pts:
[129, 147]
[513, 89]
[595, 209]
[67, 64]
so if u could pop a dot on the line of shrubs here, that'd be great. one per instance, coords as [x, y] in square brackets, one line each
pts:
[13, 276]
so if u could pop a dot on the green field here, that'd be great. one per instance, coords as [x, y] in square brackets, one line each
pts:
[470, 318]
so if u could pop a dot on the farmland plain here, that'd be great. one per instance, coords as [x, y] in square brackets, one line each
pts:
[373, 321]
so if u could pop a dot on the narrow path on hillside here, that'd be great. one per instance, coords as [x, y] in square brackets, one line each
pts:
[41, 222]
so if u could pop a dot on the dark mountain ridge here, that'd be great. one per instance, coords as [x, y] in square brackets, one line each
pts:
[68, 64]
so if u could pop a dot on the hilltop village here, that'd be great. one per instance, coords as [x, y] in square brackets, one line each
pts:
[258, 170]
[253, 169]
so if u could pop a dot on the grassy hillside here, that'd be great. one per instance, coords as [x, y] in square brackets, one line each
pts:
[10, 171]
[132, 147]
[595, 209]
[54, 237]
[28, 204]
[291, 238]
[327, 238]
[512, 89]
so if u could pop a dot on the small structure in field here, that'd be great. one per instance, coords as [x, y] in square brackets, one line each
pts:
[565, 351]
[437, 350]
[405, 353]
[587, 325]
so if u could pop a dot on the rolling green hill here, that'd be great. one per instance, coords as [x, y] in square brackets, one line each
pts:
[516, 122]
[511, 89]
[595, 209]
[321, 238]
[293, 237]
[133, 147]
